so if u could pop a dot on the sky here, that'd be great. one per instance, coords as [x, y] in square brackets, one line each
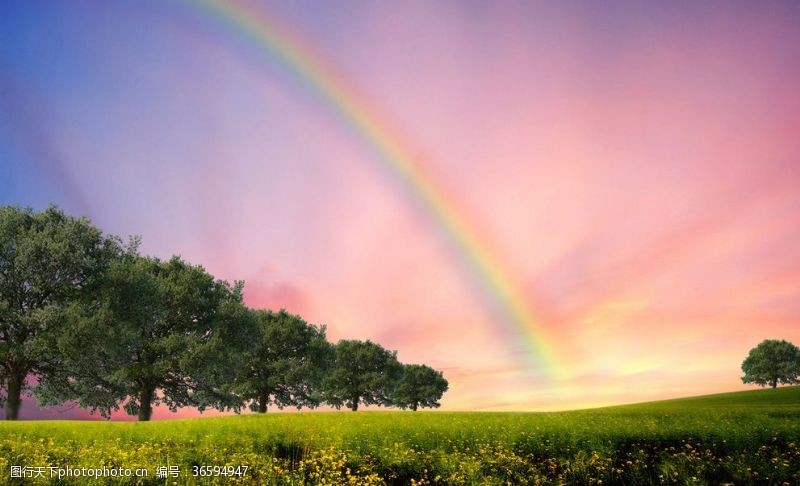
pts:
[630, 170]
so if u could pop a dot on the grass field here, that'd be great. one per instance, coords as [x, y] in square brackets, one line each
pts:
[748, 437]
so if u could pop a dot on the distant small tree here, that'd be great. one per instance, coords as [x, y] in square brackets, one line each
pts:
[286, 364]
[420, 386]
[362, 372]
[772, 362]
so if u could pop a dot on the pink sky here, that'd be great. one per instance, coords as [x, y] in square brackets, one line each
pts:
[638, 170]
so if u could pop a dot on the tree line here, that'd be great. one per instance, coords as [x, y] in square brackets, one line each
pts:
[85, 318]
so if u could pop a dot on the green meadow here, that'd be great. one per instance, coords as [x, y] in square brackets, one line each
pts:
[750, 437]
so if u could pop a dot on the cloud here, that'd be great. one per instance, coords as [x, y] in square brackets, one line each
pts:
[262, 294]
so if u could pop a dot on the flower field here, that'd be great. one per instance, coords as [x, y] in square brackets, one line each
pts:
[740, 438]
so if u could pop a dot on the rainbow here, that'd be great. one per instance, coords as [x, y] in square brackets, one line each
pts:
[275, 40]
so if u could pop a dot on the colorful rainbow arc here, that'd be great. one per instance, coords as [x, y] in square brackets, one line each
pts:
[268, 36]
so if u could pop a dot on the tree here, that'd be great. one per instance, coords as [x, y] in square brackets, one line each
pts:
[214, 362]
[287, 365]
[47, 261]
[772, 362]
[420, 386]
[158, 333]
[362, 372]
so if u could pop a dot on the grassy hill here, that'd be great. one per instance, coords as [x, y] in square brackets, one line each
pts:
[747, 437]
[780, 397]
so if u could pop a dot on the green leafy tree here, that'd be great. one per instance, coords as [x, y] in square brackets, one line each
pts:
[159, 332]
[362, 372]
[287, 365]
[772, 362]
[420, 386]
[47, 261]
[214, 360]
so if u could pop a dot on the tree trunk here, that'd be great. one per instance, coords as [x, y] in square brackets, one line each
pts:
[354, 404]
[16, 381]
[414, 407]
[262, 401]
[774, 383]
[145, 403]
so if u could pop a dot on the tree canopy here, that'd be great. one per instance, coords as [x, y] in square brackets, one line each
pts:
[362, 372]
[47, 261]
[419, 386]
[772, 362]
[96, 324]
[286, 365]
[153, 328]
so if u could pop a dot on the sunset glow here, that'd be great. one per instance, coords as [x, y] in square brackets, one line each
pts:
[559, 206]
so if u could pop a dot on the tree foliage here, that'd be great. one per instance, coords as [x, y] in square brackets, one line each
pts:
[362, 372]
[420, 386]
[159, 332]
[97, 324]
[772, 362]
[287, 364]
[47, 261]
